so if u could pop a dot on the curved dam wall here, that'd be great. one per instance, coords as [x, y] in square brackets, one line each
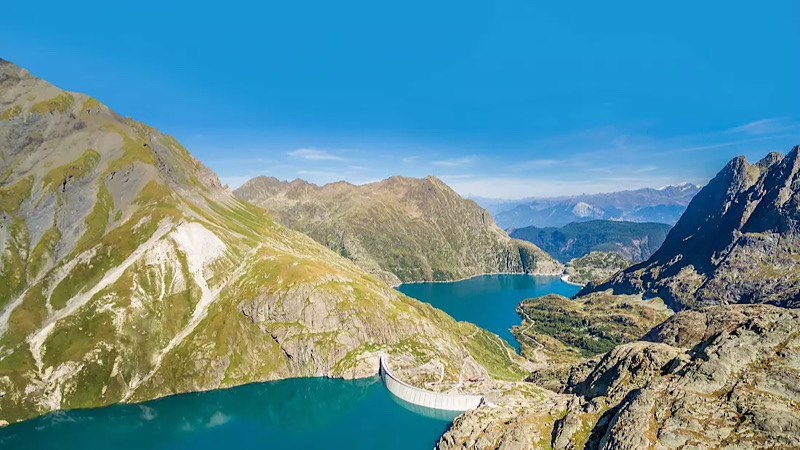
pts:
[422, 397]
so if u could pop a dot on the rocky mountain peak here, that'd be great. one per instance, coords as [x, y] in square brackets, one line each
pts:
[735, 243]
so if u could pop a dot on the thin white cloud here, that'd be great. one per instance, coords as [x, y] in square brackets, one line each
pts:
[456, 177]
[454, 162]
[766, 126]
[646, 169]
[313, 154]
[409, 159]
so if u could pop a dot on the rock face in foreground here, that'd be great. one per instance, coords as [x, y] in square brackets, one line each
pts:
[719, 377]
[400, 229]
[737, 242]
[128, 273]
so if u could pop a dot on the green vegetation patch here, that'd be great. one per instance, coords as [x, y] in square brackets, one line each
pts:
[26, 317]
[11, 197]
[44, 249]
[589, 325]
[76, 169]
[62, 103]
[133, 150]
[492, 353]
[11, 112]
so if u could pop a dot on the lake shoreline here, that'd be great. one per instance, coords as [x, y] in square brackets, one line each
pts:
[551, 274]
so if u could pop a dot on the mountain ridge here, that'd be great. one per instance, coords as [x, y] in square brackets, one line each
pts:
[736, 242]
[401, 229]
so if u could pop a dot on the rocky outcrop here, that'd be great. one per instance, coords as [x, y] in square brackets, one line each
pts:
[400, 229]
[719, 377]
[594, 267]
[737, 242]
[128, 273]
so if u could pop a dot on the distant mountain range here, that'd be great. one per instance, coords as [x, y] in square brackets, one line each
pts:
[664, 205]
[634, 241]
[400, 229]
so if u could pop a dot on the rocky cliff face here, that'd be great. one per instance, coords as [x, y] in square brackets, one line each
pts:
[737, 242]
[127, 273]
[400, 229]
[720, 377]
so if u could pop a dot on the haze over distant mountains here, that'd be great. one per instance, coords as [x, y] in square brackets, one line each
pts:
[664, 205]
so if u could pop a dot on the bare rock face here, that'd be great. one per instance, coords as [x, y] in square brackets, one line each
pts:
[720, 377]
[400, 229]
[737, 242]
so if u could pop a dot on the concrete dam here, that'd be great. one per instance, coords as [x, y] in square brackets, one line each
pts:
[426, 398]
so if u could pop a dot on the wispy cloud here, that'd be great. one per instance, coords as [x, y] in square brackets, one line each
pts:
[409, 159]
[646, 169]
[454, 162]
[461, 176]
[767, 126]
[313, 154]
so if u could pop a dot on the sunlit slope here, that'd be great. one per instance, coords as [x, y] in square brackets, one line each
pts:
[129, 273]
[400, 229]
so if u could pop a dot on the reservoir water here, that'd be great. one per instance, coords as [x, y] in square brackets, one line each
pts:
[488, 301]
[303, 413]
[307, 413]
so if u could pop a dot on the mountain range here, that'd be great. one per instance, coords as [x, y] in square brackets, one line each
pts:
[400, 229]
[634, 241]
[737, 242]
[129, 273]
[664, 205]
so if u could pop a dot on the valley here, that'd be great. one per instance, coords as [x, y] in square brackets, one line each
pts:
[139, 294]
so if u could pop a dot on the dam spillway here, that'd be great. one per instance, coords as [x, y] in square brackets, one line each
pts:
[424, 397]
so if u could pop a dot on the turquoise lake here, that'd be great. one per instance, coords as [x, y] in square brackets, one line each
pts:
[488, 301]
[303, 413]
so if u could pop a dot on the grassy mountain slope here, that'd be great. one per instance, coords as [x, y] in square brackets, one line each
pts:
[632, 240]
[127, 273]
[401, 229]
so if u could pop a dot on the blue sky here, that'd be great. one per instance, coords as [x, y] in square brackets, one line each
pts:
[501, 99]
